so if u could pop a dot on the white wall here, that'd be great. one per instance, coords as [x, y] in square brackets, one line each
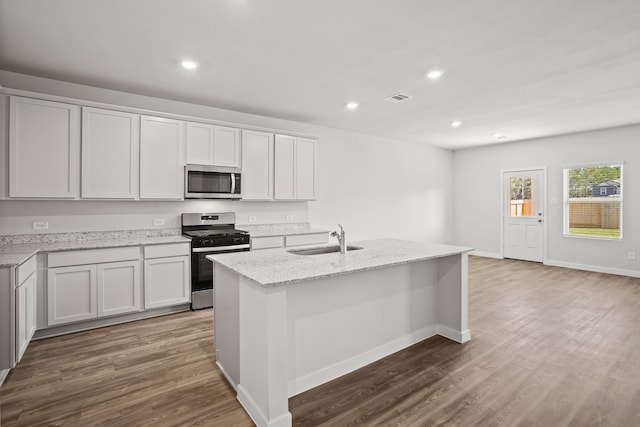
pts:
[477, 184]
[375, 187]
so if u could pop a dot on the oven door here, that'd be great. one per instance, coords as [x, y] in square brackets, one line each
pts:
[202, 268]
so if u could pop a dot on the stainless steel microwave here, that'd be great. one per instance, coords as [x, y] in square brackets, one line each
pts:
[211, 182]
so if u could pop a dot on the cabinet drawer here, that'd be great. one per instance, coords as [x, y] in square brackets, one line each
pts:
[92, 256]
[267, 242]
[307, 239]
[26, 269]
[172, 249]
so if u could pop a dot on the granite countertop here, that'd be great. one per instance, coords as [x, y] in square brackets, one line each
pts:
[285, 232]
[12, 254]
[275, 267]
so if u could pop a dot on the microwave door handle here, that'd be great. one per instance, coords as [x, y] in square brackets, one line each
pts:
[233, 183]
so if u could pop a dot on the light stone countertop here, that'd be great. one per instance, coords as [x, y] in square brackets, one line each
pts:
[275, 267]
[13, 254]
[285, 232]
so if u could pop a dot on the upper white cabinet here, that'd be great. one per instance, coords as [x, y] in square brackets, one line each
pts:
[44, 140]
[257, 165]
[213, 145]
[161, 158]
[294, 168]
[226, 147]
[110, 145]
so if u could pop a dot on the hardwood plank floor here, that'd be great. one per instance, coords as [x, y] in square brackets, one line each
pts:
[550, 347]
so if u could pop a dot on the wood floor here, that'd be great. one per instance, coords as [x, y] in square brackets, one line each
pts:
[550, 347]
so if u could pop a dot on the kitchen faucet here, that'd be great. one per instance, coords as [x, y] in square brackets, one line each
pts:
[341, 239]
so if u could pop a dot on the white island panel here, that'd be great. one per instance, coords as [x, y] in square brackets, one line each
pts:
[305, 320]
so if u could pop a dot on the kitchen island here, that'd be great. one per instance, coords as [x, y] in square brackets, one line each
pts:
[286, 322]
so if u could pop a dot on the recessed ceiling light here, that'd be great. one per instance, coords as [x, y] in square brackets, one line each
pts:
[456, 124]
[435, 74]
[498, 136]
[189, 65]
[352, 105]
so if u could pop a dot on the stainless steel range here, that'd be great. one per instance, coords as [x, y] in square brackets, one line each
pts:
[210, 233]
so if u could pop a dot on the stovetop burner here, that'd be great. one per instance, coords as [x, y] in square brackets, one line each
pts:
[215, 232]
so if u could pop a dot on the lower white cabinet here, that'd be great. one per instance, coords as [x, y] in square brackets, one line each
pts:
[25, 306]
[167, 275]
[268, 242]
[71, 294]
[93, 289]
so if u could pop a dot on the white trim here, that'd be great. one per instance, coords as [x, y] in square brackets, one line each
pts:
[326, 374]
[227, 376]
[594, 268]
[457, 336]
[486, 254]
[142, 111]
[3, 375]
[257, 416]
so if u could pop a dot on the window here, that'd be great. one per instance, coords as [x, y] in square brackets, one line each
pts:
[593, 201]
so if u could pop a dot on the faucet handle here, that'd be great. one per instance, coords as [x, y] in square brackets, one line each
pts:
[341, 229]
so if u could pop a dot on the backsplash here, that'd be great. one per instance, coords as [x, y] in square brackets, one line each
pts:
[289, 226]
[86, 236]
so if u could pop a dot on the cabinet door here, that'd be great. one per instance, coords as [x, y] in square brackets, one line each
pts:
[110, 146]
[284, 185]
[257, 165]
[44, 148]
[119, 288]
[161, 158]
[200, 143]
[166, 282]
[226, 147]
[305, 169]
[25, 314]
[71, 294]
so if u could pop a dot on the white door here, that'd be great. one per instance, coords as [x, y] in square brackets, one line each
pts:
[523, 214]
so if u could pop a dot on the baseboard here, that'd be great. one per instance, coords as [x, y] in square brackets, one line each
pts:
[107, 321]
[594, 268]
[3, 375]
[486, 254]
[454, 335]
[227, 376]
[256, 414]
[323, 375]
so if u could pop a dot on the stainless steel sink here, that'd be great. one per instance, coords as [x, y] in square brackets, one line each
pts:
[323, 250]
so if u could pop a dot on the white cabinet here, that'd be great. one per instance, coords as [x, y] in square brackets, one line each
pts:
[305, 169]
[44, 148]
[84, 285]
[284, 165]
[167, 275]
[226, 147]
[25, 304]
[257, 165]
[119, 288]
[294, 168]
[71, 294]
[110, 147]
[213, 145]
[161, 158]
[268, 242]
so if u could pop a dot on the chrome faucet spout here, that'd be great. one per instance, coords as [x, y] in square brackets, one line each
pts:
[341, 239]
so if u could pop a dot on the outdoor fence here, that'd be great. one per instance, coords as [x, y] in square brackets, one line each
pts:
[594, 212]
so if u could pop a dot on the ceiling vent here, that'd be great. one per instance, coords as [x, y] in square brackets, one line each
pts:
[398, 97]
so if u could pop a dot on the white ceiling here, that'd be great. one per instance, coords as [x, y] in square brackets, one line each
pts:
[524, 68]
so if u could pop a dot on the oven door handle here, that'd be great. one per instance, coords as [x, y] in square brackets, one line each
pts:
[220, 248]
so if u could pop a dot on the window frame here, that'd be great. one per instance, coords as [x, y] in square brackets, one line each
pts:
[565, 200]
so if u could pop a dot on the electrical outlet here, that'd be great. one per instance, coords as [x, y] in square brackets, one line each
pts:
[158, 221]
[253, 218]
[631, 256]
[289, 217]
[40, 225]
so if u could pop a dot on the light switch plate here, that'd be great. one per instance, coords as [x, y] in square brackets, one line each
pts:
[253, 218]
[40, 225]
[158, 221]
[289, 217]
